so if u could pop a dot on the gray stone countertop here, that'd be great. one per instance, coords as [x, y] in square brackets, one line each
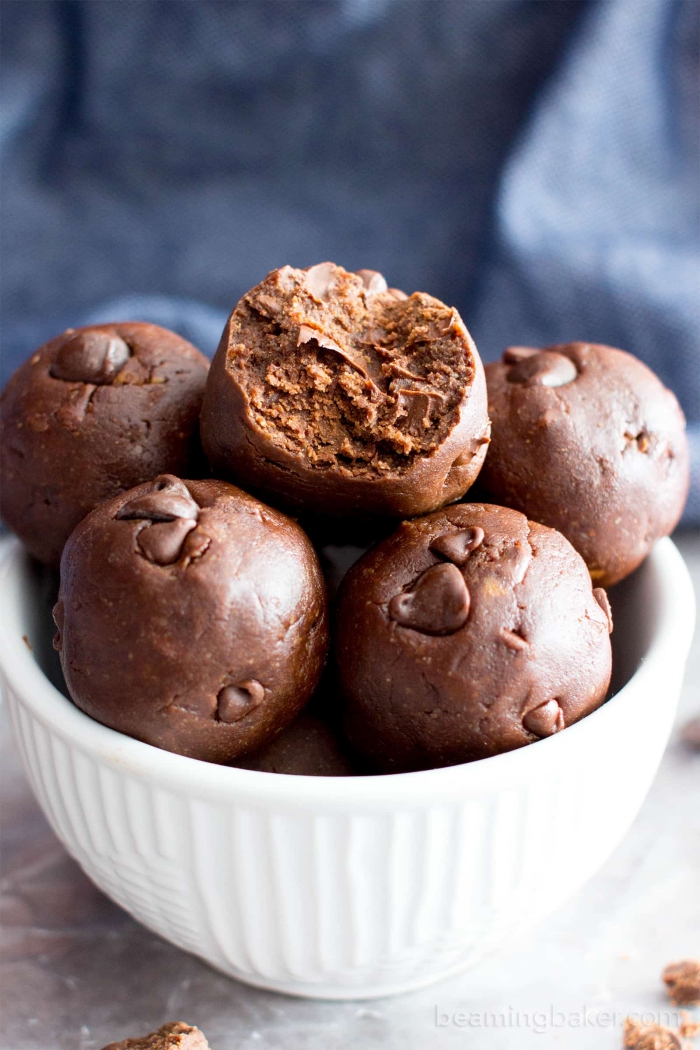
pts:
[78, 972]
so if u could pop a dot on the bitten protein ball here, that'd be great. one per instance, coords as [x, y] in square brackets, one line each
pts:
[586, 439]
[467, 633]
[91, 414]
[191, 616]
[337, 395]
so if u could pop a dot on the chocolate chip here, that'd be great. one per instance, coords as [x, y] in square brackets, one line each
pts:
[545, 368]
[544, 720]
[58, 616]
[162, 542]
[514, 640]
[167, 500]
[641, 439]
[90, 357]
[72, 412]
[353, 357]
[416, 404]
[396, 293]
[196, 544]
[457, 546]
[437, 604]
[512, 355]
[234, 702]
[604, 602]
[319, 279]
[373, 281]
[306, 334]
[270, 305]
[467, 454]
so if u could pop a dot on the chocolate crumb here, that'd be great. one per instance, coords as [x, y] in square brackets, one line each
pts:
[639, 1036]
[173, 1036]
[688, 1028]
[682, 980]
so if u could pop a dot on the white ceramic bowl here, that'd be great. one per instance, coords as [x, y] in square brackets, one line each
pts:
[349, 887]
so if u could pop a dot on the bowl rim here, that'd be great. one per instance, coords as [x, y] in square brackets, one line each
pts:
[672, 626]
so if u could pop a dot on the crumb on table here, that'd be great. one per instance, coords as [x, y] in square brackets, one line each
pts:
[173, 1036]
[639, 1036]
[682, 980]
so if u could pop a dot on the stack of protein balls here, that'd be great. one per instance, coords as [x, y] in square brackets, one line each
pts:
[338, 414]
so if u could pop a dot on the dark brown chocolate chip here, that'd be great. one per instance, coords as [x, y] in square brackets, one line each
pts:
[58, 616]
[544, 720]
[196, 544]
[90, 357]
[396, 293]
[72, 412]
[416, 404]
[353, 357]
[167, 500]
[269, 304]
[307, 333]
[513, 355]
[604, 602]
[545, 368]
[467, 454]
[514, 640]
[319, 280]
[162, 542]
[437, 604]
[234, 702]
[464, 458]
[457, 546]
[373, 281]
[641, 440]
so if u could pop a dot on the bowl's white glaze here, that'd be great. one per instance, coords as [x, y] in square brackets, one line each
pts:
[349, 887]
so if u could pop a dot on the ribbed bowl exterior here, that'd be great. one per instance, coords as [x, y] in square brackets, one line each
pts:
[354, 888]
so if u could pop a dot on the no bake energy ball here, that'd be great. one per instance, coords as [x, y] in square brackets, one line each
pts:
[337, 395]
[586, 439]
[309, 747]
[91, 414]
[191, 616]
[467, 633]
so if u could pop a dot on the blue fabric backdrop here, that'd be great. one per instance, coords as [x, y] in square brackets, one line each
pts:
[534, 162]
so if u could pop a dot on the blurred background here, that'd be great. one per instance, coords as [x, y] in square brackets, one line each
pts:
[532, 162]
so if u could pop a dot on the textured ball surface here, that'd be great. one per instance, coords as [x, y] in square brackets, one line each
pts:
[191, 616]
[586, 439]
[467, 633]
[91, 414]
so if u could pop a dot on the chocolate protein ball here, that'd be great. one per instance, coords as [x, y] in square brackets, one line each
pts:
[174, 1036]
[469, 632]
[308, 747]
[191, 616]
[337, 395]
[91, 414]
[586, 439]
